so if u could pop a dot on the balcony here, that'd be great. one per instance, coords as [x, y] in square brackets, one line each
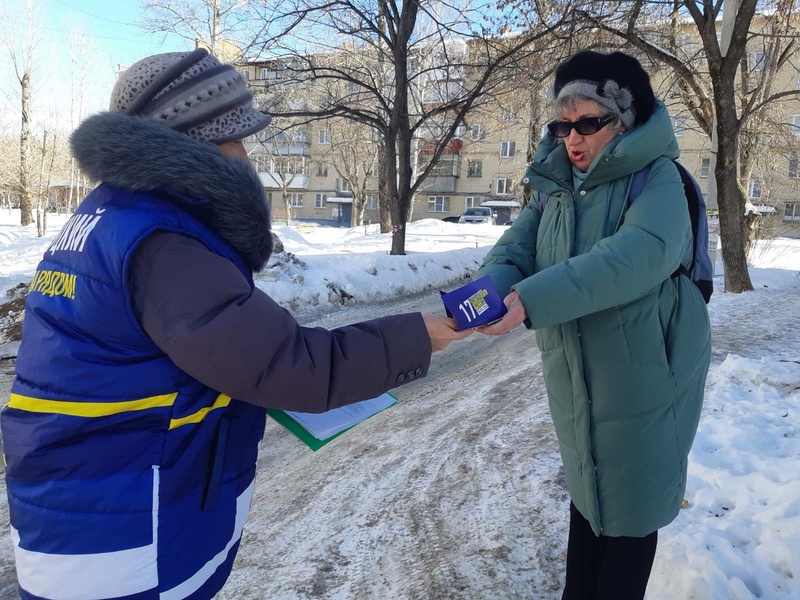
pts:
[433, 183]
[276, 181]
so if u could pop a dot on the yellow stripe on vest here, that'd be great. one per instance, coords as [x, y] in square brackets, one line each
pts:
[221, 402]
[89, 409]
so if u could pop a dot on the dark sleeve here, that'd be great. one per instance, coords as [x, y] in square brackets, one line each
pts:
[201, 311]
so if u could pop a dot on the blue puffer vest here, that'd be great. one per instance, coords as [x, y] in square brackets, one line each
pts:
[120, 467]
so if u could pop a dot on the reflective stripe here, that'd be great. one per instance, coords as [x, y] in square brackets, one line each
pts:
[194, 583]
[221, 402]
[110, 574]
[89, 409]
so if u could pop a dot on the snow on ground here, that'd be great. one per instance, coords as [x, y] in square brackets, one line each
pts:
[738, 537]
[340, 265]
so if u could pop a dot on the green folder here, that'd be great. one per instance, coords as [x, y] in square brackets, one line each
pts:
[302, 434]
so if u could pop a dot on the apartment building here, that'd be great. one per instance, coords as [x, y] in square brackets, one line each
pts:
[483, 164]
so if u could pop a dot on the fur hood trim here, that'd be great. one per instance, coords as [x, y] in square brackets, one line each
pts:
[224, 194]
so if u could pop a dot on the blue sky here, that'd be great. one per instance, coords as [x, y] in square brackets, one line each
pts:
[111, 25]
[113, 40]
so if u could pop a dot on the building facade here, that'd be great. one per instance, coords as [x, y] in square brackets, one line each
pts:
[302, 165]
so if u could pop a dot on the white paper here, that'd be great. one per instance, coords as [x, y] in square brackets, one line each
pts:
[327, 424]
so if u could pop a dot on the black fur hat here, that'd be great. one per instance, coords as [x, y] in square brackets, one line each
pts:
[601, 69]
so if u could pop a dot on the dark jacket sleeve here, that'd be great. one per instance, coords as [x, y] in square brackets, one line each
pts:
[200, 310]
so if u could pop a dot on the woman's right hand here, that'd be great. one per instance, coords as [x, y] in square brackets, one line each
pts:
[515, 316]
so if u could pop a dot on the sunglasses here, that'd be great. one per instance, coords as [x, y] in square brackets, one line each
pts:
[587, 126]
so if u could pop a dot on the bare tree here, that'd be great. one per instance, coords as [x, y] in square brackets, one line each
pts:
[400, 67]
[47, 158]
[279, 157]
[82, 55]
[722, 91]
[9, 167]
[224, 27]
[353, 154]
[21, 36]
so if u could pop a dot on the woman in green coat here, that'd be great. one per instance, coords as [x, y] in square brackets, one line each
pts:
[625, 338]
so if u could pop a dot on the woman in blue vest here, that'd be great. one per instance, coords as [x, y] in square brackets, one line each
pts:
[148, 356]
[624, 334]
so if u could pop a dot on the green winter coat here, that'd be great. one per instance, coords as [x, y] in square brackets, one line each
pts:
[625, 346]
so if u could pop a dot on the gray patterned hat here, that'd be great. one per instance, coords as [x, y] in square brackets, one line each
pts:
[190, 92]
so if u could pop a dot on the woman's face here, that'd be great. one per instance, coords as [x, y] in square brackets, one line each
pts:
[234, 150]
[583, 149]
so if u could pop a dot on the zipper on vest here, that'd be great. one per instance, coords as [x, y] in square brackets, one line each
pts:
[211, 496]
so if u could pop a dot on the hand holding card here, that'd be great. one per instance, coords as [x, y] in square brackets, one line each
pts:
[475, 304]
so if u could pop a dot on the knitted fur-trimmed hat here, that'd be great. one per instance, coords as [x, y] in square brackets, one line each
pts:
[190, 92]
[617, 81]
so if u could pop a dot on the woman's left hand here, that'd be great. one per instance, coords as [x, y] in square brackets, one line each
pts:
[511, 320]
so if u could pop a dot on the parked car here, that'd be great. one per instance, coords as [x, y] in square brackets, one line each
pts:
[451, 219]
[478, 214]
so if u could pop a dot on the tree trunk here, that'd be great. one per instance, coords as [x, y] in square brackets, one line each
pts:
[731, 197]
[398, 211]
[287, 205]
[41, 196]
[384, 204]
[26, 201]
[358, 211]
[731, 200]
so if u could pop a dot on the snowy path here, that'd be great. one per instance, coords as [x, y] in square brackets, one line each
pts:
[372, 514]
[456, 492]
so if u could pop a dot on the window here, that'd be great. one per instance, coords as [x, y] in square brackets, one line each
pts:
[322, 169]
[507, 149]
[509, 115]
[342, 185]
[245, 74]
[475, 168]
[438, 203]
[372, 202]
[270, 74]
[261, 163]
[705, 167]
[300, 135]
[796, 124]
[324, 136]
[755, 189]
[791, 212]
[445, 90]
[291, 165]
[794, 168]
[472, 202]
[477, 132]
[759, 61]
[679, 125]
[320, 200]
[502, 186]
[446, 167]
[295, 199]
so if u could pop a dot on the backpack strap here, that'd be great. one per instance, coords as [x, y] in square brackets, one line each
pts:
[541, 200]
[636, 185]
[635, 188]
